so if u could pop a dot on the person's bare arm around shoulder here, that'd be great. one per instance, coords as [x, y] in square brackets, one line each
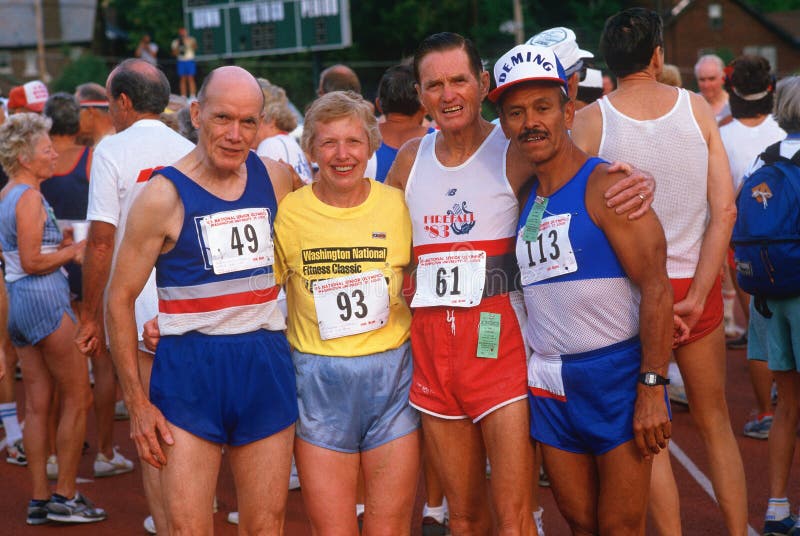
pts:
[148, 233]
[722, 216]
[401, 167]
[632, 194]
[641, 248]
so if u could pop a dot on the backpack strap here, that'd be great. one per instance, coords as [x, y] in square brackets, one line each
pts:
[772, 154]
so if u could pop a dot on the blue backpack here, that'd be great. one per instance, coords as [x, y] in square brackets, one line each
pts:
[766, 235]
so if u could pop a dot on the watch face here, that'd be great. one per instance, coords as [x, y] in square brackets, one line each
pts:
[650, 378]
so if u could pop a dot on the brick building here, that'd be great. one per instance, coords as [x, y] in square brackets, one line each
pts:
[729, 28]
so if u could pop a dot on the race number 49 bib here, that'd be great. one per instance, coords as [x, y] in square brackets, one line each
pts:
[450, 279]
[550, 255]
[239, 239]
[351, 304]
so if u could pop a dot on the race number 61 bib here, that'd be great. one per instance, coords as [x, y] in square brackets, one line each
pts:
[550, 255]
[239, 239]
[450, 279]
[351, 304]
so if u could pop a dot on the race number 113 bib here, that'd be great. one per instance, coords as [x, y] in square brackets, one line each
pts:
[239, 240]
[550, 254]
[450, 279]
[351, 304]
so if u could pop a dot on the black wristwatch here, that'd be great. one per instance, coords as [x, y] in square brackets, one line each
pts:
[651, 379]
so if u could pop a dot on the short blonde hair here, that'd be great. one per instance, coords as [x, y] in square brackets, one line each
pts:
[18, 136]
[338, 105]
[276, 106]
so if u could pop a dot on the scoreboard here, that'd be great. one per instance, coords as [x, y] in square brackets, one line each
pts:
[235, 28]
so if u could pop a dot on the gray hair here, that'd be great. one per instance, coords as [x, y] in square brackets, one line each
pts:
[787, 104]
[18, 137]
[338, 105]
[711, 58]
[276, 106]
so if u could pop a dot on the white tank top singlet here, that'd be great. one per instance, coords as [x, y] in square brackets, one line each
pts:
[673, 149]
[466, 207]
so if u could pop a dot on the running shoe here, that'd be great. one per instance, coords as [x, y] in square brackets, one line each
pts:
[537, 517]
[117, 465]
[758, 428]
[79, 509]
[779, 528]
[52, 467]
[37, 512]
[16, 454]
[544, 480]
[149, 525]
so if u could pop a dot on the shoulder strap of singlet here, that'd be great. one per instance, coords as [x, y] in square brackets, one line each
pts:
[580, 177]
[85, 157]
[177, 178]
[255, 170]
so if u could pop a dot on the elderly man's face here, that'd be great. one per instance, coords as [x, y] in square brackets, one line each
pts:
[228, 120]
[710, 80]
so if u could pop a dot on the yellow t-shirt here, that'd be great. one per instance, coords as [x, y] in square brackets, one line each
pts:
[315, 241]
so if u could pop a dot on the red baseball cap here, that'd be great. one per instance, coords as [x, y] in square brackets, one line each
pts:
[30, 96]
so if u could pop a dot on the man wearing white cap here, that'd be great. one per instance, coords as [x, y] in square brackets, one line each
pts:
[673, 133]
[601, 334]
[563, 42]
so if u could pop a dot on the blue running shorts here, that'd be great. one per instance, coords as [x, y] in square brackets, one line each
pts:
[231, 389]
[36, 306]
[783, 335]
[756, 335]
[595, 413]
[353, 404]
[187, 68]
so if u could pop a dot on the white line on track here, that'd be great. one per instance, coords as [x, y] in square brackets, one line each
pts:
[701, 479]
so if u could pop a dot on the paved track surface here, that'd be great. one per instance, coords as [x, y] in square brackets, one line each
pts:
[122, 495]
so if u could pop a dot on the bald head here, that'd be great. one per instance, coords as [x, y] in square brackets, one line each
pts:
[144, 84]
[222, 80]
[338, 78]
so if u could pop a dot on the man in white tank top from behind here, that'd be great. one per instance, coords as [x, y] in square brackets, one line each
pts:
[675, 137]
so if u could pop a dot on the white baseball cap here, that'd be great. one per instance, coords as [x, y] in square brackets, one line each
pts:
[594, 79]
[563, 41]
[527, 63]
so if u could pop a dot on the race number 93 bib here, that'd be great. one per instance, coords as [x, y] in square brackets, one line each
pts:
[239, 240]
[351, 304]
[450, 279]
[550, 255]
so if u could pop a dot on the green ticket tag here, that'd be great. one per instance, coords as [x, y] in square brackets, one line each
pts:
[531, 232]
[489, 335]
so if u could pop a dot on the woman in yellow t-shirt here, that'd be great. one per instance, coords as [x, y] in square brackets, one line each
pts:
[342, 244]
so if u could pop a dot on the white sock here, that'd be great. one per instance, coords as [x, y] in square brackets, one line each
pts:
[359, 509]
[778, 509]
[8, 413]
[436, 512]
